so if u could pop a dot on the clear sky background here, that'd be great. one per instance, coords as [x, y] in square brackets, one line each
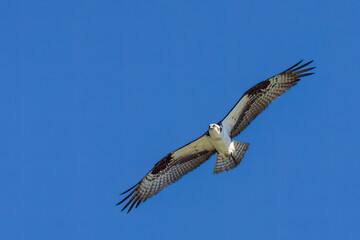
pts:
[94, 93]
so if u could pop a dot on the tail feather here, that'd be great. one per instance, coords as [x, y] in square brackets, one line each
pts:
[227, 163]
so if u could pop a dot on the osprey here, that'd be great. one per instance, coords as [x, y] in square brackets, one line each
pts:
[218, 139]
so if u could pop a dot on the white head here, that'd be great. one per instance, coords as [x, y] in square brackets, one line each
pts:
[215, 128]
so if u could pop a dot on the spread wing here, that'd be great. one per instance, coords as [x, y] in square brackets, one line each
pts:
[169, 169]
[257, 98]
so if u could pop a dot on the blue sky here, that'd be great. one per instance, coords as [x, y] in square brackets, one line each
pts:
[94, 93]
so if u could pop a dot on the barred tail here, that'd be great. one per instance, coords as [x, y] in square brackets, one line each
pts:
[234, 159]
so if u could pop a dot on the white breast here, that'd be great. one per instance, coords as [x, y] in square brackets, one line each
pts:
[221, 141]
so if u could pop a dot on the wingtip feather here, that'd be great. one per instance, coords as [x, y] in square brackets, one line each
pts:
[138, 204]
[129, 189]
[126, 197]
[128, 203]
[300, 67]
[304, 75]
[304, 70]
[294, 65]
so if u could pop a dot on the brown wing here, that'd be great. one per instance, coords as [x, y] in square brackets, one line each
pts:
[168, 170]
[257, 98]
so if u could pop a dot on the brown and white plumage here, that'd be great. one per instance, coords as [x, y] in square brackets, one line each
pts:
[257, 98]
[170, 169]
[230, 153]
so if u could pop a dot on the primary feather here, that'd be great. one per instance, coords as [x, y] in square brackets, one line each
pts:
[259, 97]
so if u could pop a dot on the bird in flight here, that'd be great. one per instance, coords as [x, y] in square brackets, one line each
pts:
[218, 138]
